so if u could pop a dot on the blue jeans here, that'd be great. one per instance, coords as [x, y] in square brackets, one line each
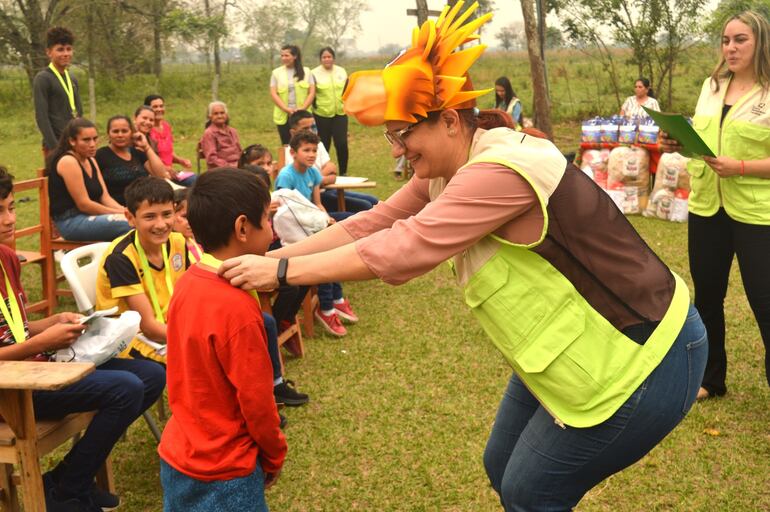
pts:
[188, 181]
[327, 294]
[186, 494]
[354, 201]
[120, 390]
[271, 330]
[77, 226]
[535, 465]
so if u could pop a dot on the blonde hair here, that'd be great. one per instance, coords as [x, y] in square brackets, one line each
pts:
[761, 58]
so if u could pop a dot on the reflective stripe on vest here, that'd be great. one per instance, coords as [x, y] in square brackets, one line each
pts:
[744, 135]
[328, 91]
[301, 89]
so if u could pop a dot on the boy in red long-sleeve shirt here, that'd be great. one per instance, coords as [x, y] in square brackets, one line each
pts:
[222, 446]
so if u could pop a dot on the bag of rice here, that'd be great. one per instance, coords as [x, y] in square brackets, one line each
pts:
[628, 178]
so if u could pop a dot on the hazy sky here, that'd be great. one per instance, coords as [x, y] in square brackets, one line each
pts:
[387, 22]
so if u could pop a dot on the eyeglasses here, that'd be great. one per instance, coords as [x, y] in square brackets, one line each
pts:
[397, 137]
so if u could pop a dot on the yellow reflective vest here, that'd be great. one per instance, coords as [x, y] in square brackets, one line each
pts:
[301, 90]
[329, 85]
[744, 135]
[572, 359]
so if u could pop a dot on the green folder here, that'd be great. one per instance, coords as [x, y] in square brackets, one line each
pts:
[678, 128]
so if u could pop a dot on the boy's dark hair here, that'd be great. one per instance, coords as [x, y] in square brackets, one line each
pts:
[218, 198]
[6, 182]
[260, 172]
[152, 97]
[180, 196]
[59, 35]
[298, 116]
[303, 137]
[152, 189]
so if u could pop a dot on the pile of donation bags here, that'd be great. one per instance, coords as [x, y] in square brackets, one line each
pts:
[624, 173]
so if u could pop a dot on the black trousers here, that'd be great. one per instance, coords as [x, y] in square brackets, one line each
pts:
[713, 241]
[283, 133]
[335, 128]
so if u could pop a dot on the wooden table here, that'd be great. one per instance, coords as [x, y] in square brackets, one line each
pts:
[17, 381]
[340, 188]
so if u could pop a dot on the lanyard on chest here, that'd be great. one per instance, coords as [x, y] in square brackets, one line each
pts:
[13, 318]
[210, 261]
[149, 282]
[68, 88]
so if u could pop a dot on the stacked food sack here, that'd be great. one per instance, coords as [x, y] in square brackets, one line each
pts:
[593, 162]
[628, 178]
[668, 200]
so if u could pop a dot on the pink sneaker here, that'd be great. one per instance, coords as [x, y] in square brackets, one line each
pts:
[345, 311]
[331, 323]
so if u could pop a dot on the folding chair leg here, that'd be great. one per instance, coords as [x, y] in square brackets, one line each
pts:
[152, 425]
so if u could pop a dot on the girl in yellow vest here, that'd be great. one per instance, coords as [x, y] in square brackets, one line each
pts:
[606, 350]
[329, 111]
[292, 88]
[730, 199]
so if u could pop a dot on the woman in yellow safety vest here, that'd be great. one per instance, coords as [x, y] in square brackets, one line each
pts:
[507, 101]
[606, 350]
[292, 88]
[329, 112]
[729, 204]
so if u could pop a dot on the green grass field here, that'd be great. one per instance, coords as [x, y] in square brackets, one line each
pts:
[401, 408]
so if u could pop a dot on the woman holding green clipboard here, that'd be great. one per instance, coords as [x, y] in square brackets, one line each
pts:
[730, 199]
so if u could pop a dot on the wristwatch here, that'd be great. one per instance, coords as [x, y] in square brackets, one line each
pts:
[283, 266]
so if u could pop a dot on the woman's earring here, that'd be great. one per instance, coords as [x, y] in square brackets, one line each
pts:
[451, 132]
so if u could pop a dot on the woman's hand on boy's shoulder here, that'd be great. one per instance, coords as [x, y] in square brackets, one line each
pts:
[251, 272]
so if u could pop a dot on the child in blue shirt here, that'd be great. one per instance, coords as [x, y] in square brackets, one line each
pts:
[300, 175]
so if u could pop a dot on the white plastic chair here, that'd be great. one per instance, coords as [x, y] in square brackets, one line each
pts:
[82, 278]
[81, 266]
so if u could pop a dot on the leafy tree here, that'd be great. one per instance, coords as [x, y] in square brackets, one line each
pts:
[553, 38]
[268, 24]
[344, 20]
[657, 31]
[23, 25]
[509, 36]
[729, 8]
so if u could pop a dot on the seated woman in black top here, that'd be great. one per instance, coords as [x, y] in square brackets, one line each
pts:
[81, 207]
[127, 157]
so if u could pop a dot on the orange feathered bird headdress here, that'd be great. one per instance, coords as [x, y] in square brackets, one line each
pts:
[426, 77]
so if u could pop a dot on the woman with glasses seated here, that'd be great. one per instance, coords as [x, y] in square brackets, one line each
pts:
[606, 351]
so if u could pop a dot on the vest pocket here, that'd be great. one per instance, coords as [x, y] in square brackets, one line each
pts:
[562, 328]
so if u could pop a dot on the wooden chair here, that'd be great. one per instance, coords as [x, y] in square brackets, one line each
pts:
[23, 440]
[44, 256]
[309, 304]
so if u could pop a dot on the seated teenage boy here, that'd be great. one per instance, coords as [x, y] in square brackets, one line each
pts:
[354, 201]
[139, 269]
[300, 175]
[119, 390]
[222, 446]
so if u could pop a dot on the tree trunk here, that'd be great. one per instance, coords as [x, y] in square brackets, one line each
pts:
[422, 12]
[540, 103]
[91, 69]
[157, 18]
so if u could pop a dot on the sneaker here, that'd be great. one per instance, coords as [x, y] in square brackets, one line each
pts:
[286, 393]
[98, 499]
[331, 323]
[345, 312]
[103, 499]
[284, 421]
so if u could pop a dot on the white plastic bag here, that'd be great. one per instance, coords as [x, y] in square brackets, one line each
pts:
[296, 217]
[104, 339]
